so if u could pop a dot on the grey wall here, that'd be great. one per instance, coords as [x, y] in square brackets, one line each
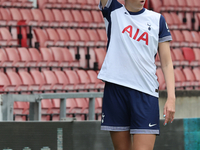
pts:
[78, 136]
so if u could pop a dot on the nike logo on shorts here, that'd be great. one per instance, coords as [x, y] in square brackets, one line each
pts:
[151, 125]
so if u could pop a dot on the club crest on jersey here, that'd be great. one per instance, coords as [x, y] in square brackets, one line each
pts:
[144, 37]
[149, 26]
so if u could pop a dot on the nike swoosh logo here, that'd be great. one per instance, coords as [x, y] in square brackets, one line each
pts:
[151, 125]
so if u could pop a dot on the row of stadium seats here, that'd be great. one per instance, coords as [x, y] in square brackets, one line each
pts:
[6, 38]
[93, 37]
[35, 81]
[53, 57]
[175, 5]
[185, 78]
[52, 18]
[68, 4]
[71, 37]
[183, 57]
[16, 3]
[50, 109]
[185, 38]
[182, 21]
[50, 81]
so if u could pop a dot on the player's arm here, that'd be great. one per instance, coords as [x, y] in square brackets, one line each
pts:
[168, 71]
[103, 3]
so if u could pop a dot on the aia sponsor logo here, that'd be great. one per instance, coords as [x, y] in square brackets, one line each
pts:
[134, 35]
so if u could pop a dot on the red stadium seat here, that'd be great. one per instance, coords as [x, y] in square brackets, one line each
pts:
[93, 78]
[189, 55]
[47, 56]
[177, 21]
[5, 3]
[67, 14]
[74, 39]
[27, 15]
[49, 17]
[190, 78]
[79, 18]
[82, 62]
[44, 4]
[84, 37]
[15, 14]
[73, 80]
[26, 3]
[53, 36]
[4, 59]
[183, 5]
[197, 53]
[102, 35]
[179, 58]
[161, 79]
[36, 56]
[93, 35]
[16, 81]
[28, 80]
[69, 58]
[60, 57]
[25, 56]
[46, 106]
[6, 38]
[156, 5]
[74, 4]
[50, 78]
[39, 79]
[61, 77]
[81, 110]
[196, 72]
[85, 79]
[87, 18]
[5, 84]
[196, 37]
[37, 15]
[188, 38]
[180, 81]
[5, 13]
[98, 18]
[60, 18]
[14, 56]
[178, 38]
[43, 38]
[20, 111]
[100, 55]
[63, 36]
[191, 5]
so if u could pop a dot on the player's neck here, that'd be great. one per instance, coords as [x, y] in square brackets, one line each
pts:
[132, 8]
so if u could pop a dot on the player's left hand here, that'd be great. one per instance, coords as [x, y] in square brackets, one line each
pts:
[169, 110]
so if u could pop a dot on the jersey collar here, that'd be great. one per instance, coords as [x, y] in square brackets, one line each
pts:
[136, 13]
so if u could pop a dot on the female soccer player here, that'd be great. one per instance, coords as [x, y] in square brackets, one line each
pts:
[130, 102]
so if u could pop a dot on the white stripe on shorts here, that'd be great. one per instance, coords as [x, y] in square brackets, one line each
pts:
[144, 131]
[113, 128]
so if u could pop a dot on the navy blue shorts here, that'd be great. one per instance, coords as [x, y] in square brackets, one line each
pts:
[126, 109]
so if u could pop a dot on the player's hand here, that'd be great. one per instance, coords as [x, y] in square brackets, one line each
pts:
[169, 110]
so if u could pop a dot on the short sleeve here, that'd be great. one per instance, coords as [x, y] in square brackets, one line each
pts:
[110, 6]
[164, 33]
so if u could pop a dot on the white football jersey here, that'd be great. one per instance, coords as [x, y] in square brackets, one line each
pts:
[133, 39]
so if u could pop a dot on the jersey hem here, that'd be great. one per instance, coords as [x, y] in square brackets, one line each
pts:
[156, 94]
